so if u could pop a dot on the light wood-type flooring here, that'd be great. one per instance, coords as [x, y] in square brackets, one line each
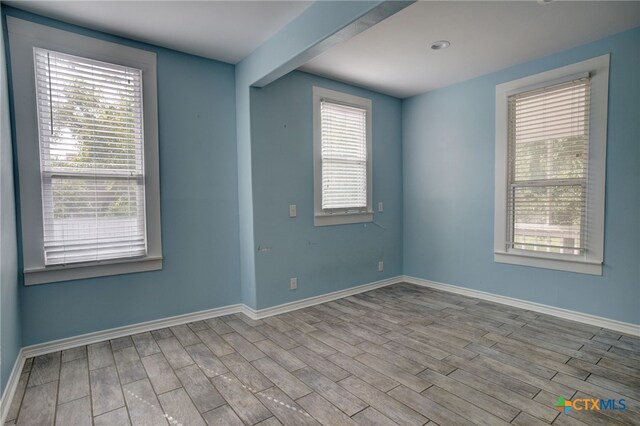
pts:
[401, 354]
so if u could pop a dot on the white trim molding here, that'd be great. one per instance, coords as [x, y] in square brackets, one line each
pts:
[113, 333]
[621, 326]
[324, 217]
[589, 262]
[23, 37]
[316, 300]
[11, 387]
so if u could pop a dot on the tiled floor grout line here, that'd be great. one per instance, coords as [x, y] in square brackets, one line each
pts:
[519, 327]
[253, 391]
[167, 416]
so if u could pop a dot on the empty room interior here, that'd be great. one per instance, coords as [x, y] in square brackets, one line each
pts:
[319, 213]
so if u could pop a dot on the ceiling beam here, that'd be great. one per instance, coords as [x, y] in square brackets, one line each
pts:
[318, 28]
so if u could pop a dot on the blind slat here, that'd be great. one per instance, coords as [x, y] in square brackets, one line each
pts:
[90, 118]
[344, 156]
[548, 157]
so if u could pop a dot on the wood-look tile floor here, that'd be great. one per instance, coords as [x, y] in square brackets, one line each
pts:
[402, 355]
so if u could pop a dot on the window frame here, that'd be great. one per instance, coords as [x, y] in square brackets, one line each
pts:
[338, 217]
[23, 37]
[591, 261]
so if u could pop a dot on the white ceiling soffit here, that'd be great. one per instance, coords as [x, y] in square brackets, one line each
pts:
[395, 57]
[224, 30]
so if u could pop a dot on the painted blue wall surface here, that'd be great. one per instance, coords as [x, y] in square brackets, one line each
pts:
[448, 149]
[245, 199]
[10, 334]
[199, 205]
[326, 258]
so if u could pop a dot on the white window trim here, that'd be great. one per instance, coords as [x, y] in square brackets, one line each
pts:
[323, 218]
[23, 37]
[591, 261]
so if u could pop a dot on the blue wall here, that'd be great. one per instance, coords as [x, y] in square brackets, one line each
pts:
[10, 334]
[327, 258]
[448, 148]
[433, 169]
[199, 207]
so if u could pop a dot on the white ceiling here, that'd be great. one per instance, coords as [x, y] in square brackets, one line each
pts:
[394, 56]
[224, 30]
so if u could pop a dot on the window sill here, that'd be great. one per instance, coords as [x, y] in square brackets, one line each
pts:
[342, 218]
[536, 261]
[58, 273]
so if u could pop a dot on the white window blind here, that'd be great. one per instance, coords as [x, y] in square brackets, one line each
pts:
[548, 141]
[90, 118]
[344, 157]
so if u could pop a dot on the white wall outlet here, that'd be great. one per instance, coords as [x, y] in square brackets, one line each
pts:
[293, 283]
[380, 206]
[380, 266]
[293, 210]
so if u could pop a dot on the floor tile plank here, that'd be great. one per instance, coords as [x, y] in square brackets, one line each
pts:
[145, 344]
[119, 417]
[142, 404]
[45, 369]
[243, 346]
[197, 385]
[174, 353]
[371, 416]
[398, 412]
[160, 373]
[334, 393]
[39, 405]
[323, 411]
[129, 366]
[100, 355]
[222, 416]
[74, 380]
[281, 378]
[176, 404]
[73, 413]
[286, 410]
[106, 394]
[245, 405]
[246, 372]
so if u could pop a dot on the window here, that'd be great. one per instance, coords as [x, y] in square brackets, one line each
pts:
[342, 158]
[550, 150]
[86, 125]
[90, 125]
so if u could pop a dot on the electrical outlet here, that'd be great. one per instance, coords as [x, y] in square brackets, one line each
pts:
[380, 266]
[293, 282]
[292, 210]
[380, 206]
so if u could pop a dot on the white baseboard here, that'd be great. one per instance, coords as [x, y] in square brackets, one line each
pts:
[89, 338]
[12, 385]
[316, 300]
[114, 333]
[624, 327]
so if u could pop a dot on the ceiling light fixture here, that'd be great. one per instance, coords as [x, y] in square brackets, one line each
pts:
[544, 1]
[440, 44]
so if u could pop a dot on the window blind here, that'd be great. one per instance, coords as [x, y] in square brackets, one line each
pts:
[90, 119]
[344, 157]
[548, 158]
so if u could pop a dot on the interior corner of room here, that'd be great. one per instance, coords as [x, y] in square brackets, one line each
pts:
[281, 155]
